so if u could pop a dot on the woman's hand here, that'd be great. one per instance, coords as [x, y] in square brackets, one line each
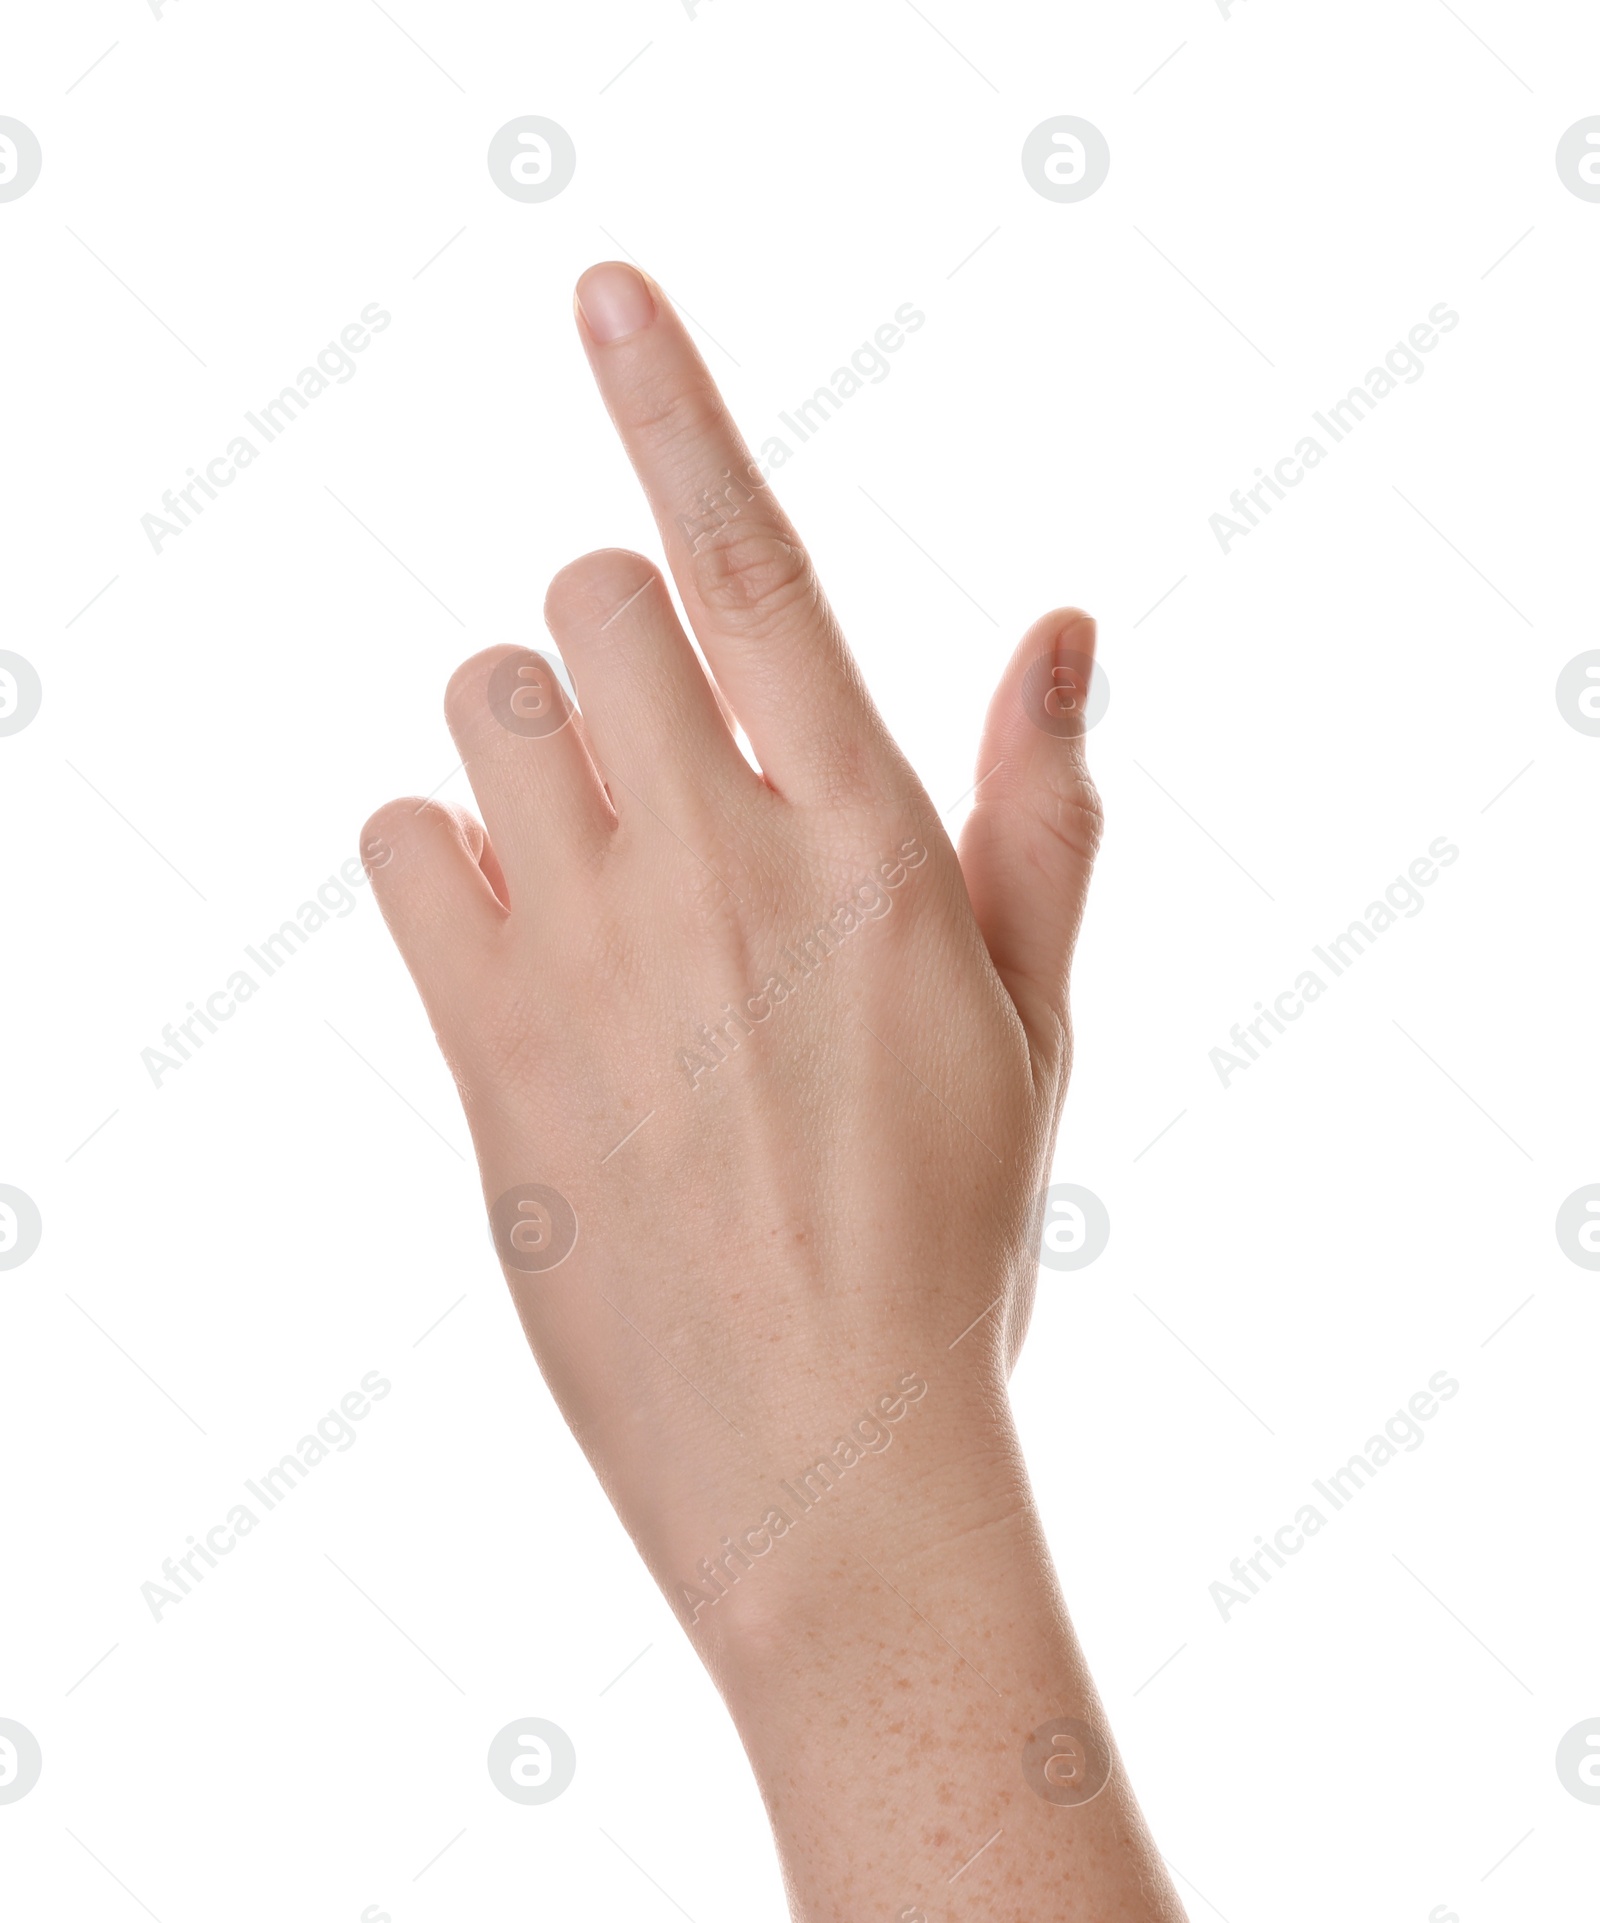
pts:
[763, 1079]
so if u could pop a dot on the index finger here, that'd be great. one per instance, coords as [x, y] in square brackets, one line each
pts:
[747, 583]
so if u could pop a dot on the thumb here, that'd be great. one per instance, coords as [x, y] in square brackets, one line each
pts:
[1030, 841]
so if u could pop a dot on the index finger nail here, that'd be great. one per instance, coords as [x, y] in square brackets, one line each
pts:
[615, 301]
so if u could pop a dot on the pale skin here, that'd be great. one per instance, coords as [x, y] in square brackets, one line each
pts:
[821, 1221]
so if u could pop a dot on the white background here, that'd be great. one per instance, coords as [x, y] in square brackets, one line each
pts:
[1289, 729]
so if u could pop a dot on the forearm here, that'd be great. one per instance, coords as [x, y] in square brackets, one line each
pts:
[917, 1709]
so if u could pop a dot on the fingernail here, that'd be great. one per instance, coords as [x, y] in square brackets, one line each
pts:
[615, 301]
[1077, 634]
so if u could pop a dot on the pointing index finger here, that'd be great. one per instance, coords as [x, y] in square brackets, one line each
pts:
[747, 583]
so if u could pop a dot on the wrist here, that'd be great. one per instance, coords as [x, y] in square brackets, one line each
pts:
[901, 1680]
[923, 1488]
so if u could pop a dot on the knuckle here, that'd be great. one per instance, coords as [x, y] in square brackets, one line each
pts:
[850, 769]
[755, 577]
[1061, 816]
[1075, 815]
[688, 412]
